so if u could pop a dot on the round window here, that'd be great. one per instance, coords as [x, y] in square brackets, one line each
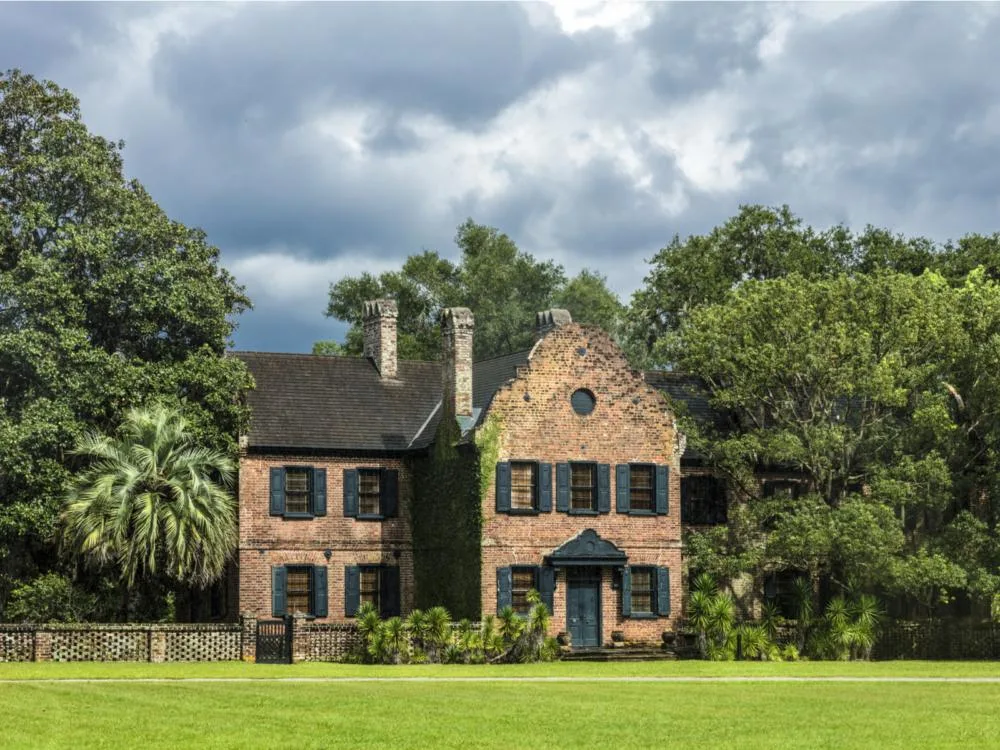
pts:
[583, 401]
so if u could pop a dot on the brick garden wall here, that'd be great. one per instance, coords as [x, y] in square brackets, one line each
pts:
[631, 423]
[267, 540]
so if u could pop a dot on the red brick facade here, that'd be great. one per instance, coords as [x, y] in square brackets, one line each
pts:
[630, 424]
[267, 540]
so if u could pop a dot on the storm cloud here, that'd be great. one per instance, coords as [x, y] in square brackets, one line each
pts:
[313, 141]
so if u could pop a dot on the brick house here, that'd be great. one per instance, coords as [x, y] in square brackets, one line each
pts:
[410, 484]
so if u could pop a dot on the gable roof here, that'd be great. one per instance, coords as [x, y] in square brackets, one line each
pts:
[340, 403]
[489, 375]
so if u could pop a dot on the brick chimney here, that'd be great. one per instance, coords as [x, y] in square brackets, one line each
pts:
[379, 321]
[456, 365]
[546, 320]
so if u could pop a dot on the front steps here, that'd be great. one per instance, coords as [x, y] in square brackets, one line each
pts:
[633, 653]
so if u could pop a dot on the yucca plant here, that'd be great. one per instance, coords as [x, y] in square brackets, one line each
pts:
[802, 602]
[416, 626]
[511, 625]
[396, 640]
[438, 632]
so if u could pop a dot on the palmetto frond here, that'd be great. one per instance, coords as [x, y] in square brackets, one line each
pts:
[149, 498]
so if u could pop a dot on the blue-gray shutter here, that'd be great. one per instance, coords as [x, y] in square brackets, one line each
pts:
[319, 492]
[663, 591]
[562, 488]
[623, 482]
[603, 488]
[505, 584]
[320, 607]
[352, 590]
[503, 487]
[626, 592]
[351, 493]
[546, 576]
[277, 491]
[390, 493]
[278, 586]
[662, 490]
[544, 488]
[389, 591]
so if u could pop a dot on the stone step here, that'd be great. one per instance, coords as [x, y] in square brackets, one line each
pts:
[618, 654]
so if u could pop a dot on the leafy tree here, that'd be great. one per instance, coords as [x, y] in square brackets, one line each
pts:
[854, 382]
[105, 304]
[501, 284]
[152, 501]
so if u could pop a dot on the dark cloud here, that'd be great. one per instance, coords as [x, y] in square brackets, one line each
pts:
[277, 63]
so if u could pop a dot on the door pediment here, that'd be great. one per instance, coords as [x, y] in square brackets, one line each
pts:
[587, 548]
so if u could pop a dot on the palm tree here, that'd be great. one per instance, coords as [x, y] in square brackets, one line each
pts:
[152, 501]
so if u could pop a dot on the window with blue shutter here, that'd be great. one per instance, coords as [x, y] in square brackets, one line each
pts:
[562, 488]
[278, 578]
[642, 591]
[603, 488]
[622, 480]
[626, 592]
[585, 488]
[319, 492]
[544, 488]
[663, 592]
[547, 586]
[351, 493]
[319, 591]
[503, 487]
[277, 504]
[504, 586]
[352, 590]
[662, 490]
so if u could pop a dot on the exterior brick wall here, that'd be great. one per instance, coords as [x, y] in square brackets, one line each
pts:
[267, 540]
[631, 423]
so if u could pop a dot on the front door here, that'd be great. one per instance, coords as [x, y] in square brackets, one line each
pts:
[583, 607]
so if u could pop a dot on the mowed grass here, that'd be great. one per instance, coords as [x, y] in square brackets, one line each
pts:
[498, 713]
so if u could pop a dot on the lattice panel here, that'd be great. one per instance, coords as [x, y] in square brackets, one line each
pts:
[17, 645]
[106, 645]
[203, 645]
[331, 642]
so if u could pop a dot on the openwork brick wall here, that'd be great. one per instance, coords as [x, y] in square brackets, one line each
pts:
[109, 642]
[17, 643]
[325, 642]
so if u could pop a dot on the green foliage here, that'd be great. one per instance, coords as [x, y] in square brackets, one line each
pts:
[105, 304]
[856, 380]
[431, 636]
[848, 629]
[50, 598]
[151, 500]
[489, 260]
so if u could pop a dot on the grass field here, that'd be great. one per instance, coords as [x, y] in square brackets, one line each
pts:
[42, 711]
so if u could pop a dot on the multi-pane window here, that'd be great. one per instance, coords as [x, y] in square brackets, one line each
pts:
[781, 488]
[522, 581]
[297, 490]
[370, 586]
[582, 487]
[369, 492]
[643, 591]
[703, 501]
[641, 488]
[523, 485]
[298, 591]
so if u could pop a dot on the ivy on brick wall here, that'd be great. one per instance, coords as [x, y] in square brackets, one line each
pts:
[447, 523]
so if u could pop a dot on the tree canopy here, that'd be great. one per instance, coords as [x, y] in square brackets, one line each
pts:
[105, 304]
[502, 285]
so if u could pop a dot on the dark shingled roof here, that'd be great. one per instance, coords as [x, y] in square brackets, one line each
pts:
[490, 374]
[340, 403]
[689, 391]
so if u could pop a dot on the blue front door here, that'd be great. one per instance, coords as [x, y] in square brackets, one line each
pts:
[583, 607]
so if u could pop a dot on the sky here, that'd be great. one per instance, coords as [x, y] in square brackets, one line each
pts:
[316, 141]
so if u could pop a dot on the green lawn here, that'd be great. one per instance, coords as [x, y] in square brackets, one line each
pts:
[497, 713]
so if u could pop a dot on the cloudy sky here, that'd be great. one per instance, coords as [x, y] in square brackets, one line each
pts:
[314, 141]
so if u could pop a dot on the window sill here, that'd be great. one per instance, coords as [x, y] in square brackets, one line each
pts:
[521, 512]
[369, 517]
[297, 516]
[583, 512]
[644, 616]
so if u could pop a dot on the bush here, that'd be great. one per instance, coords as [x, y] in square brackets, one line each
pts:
[430, 637]
[50, 598]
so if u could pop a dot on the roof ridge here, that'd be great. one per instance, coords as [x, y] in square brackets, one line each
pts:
[310, 355]
[501, 356]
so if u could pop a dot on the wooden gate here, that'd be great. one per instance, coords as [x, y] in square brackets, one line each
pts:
[274, 641]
